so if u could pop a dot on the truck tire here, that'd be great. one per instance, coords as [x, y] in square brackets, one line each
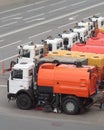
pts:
[24, 102]
[70, 106]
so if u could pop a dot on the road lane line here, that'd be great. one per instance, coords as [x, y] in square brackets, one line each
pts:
[38, 19]
[78, 3]
[17, 18]
[8, 58]
[6, 11]
[40, 34]
[2, 18]
[51, 20]
[3, 86]
[66, 25]
[33, 17]
[73, 18]
[24, 6]
[31, 10]
[91, 16]
[41, 2]
[98, 14]
[52, 11]
[10, 44]
[8, 24]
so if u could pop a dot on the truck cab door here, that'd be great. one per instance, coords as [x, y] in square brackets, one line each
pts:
[16, 81]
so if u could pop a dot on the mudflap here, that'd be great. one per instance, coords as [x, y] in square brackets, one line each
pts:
[97, 98]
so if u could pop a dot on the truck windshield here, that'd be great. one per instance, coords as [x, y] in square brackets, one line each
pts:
[18, 74]
[24, 53]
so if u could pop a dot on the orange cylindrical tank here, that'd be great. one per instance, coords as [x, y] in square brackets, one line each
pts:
[68, 79]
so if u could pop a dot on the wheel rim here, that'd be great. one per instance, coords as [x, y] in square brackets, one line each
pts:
[23, 102]
[70, 106]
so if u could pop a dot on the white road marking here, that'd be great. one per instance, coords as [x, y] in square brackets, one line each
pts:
[10, 44]
[6, 11]
[38, 19]
[26, 43]
[8, 58]
[31, 10]
[41, 2]
[40, 34]
[66, 25]
[98, 14]
[24, 6]
[51, 20]
[91, 16]
[57, 3]
[73, 18]
[33, 16]
[87, 17]
[8, 24]
[17, 18]
[52, 11]
[78, 3]
[2, 18]
[3, 86]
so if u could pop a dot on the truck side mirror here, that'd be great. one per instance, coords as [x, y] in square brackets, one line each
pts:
[71, 30]
[90, 19]
[59, 35]
[42, 41]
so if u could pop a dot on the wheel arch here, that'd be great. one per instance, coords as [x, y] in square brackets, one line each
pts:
[29, 93]
[65, 97]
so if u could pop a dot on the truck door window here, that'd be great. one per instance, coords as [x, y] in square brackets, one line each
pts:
[17, 74]
[65, 41]
[102, 23]
[30, 72]
[36, 52]
[41, 51]
[50, 47]
[78, 35]
[74, 39]
[58, 45]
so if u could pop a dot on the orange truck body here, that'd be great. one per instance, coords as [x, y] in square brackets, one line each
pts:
[68, 79]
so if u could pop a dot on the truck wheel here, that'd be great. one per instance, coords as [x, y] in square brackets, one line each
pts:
[70, 106]
[24, 102]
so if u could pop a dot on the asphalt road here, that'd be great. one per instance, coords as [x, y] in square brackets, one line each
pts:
[34, 21]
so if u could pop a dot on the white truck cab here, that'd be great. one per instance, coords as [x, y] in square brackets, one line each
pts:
[82, 33]
[27, 53]
[20, 77]
[98, 20]
[88, 25]
[69, 38]
[53, 43]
